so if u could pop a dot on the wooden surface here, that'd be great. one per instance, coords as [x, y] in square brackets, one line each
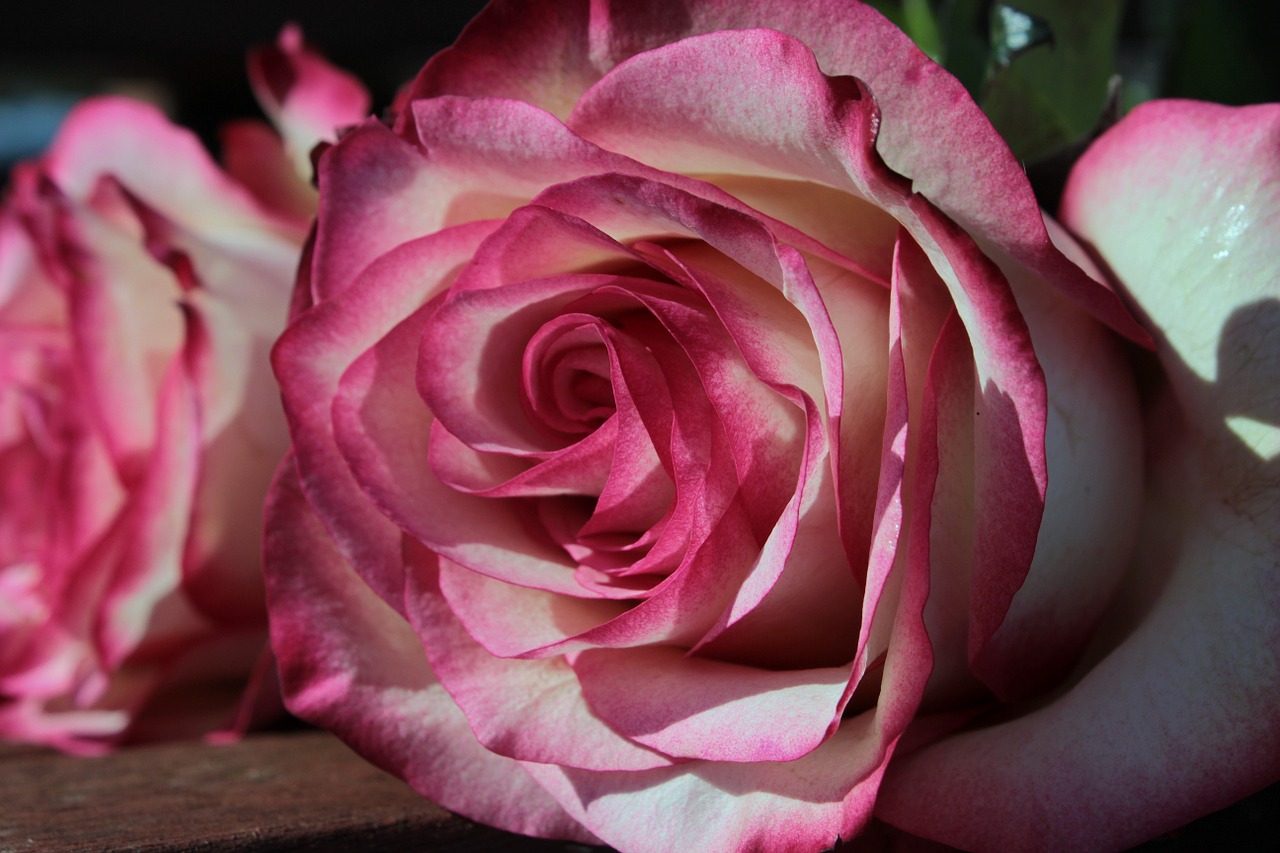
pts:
[305, 791]
[296, 791]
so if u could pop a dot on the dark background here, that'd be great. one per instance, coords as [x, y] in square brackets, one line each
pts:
[189, 56]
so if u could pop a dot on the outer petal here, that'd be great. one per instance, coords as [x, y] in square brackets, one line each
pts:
[550, 724]
[1178, 721]
[370, 187]
[1177, 717]
[1093, 454]
[534, 67]
[126, 320]
[223, 566]
[1182, 201]
[695, 706]
[309, 360]
[145, 584]
[255, 155]
[351, 664]
[932, 131]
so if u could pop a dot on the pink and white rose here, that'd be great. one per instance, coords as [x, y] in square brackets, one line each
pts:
[699, 432]
[1173, 713]
[141, 288]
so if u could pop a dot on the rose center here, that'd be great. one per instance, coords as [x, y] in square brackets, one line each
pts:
[567, 388]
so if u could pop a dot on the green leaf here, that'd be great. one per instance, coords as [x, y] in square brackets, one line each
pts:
[920, 23]
[891, 9]
[1050, 64]
[963, 26]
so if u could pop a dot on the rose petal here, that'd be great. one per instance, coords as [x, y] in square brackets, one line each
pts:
[254, 155]
[534, 70]
[309, 361]
[143, 598]
[701, 708]
[28, 296]
[677, 611]
[381, 430]
[1010, 415]
[118, 292]
[371, 189]
[1093, 455]
[351, 664]
[163, 165]
[931, 130]
[804, 804]
[1173, 723]
[1176, 719]
[551, 723]
[1010, 431]
[308, 99]
[1181, 202]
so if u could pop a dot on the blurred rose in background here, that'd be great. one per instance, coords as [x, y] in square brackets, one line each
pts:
[141, 287]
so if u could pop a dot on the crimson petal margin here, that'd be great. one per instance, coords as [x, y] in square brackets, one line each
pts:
[931, 131]
[352, 665]
[309, 360]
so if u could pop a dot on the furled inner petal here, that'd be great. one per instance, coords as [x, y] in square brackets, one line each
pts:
[676, 611]
[567, 383]
[383, 441]
[801, 124]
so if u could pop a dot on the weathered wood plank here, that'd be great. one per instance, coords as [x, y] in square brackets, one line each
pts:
[305, 791]
[295, 791]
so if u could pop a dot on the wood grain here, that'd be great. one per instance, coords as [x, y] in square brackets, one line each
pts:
[294, 791]
[305, 791]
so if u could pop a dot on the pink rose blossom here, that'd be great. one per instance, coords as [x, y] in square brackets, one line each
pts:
[141, 288]
[1174, 713]
[700, 433]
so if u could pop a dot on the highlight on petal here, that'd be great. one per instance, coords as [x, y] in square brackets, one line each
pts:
[1181, 201]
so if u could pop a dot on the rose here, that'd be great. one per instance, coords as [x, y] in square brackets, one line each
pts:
[686, 399]
[140, 290]
[142, 287]
[1177, 715]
